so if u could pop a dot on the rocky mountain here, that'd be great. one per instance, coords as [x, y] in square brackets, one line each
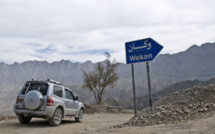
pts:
[197, 62]
[143, 101]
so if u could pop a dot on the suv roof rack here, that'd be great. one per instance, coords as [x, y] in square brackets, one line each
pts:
[53, 81]
[49, 80]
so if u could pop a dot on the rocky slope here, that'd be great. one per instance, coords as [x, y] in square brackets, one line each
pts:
[143, 101]
[192, 103]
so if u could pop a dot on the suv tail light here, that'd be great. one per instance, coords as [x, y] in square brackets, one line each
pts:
[49, 101]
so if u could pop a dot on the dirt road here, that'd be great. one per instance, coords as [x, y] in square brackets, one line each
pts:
[100, 123]
[92, 123]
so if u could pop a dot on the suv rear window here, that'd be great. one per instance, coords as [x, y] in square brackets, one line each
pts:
[43, 88]
[25, 88]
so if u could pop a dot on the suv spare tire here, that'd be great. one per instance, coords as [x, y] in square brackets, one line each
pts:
[33, 100]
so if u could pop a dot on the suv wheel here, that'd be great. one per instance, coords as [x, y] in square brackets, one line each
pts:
[24, 120]
[56, 118]
[80, 116]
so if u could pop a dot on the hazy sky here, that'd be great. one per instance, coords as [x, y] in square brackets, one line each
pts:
[81, 30]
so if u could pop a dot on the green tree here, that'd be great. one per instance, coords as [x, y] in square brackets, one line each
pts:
[102, 78]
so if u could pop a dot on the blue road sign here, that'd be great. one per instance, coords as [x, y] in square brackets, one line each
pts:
[142, 50]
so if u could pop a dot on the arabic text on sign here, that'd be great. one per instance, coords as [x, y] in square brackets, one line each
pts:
[133, 48]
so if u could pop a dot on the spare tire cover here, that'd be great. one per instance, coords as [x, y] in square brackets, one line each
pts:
[33, 100]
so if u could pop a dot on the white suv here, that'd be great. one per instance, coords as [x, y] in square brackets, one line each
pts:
[47, 99]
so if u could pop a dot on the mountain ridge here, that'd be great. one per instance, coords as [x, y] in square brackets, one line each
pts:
[197, 62]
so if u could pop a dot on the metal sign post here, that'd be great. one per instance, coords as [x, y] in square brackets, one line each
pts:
[134, 94]
[149, 86]
[143, 50]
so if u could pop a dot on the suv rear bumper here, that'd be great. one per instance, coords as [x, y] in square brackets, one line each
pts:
[47, 113]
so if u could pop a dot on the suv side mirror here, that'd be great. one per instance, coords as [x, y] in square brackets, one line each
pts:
[76, 98]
